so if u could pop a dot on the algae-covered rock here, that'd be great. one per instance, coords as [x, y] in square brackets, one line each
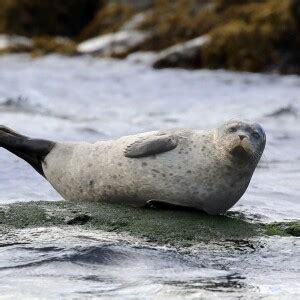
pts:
[55, 17]
[174, 22]
[117, 44]
[249, 35]
[252, 35]
[46, 45]
[37, 46]
[185, 55]
[162, 226]
[293, 229]
[135, 22]
[238, 46]
[14, 43]
[108, 19]
[283, 229]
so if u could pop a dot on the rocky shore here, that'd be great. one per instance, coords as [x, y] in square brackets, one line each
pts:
[252, 35]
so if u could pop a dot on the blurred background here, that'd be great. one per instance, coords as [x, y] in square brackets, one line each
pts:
[245, 35]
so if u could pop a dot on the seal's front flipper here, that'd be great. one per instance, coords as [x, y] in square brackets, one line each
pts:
[32, 151]
[151, 145]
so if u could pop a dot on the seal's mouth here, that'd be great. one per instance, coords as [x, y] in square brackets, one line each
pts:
[240, 153]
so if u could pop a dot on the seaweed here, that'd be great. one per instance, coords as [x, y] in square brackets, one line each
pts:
[43, 45]
[245, 35]
[252, 35]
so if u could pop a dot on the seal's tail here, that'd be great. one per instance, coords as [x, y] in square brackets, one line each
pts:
[32, 151]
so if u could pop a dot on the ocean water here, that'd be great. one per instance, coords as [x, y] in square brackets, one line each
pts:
[88, 99]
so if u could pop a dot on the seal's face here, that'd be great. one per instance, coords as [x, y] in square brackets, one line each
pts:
[243, 142]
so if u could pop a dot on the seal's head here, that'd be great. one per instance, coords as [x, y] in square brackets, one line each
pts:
[243, 142]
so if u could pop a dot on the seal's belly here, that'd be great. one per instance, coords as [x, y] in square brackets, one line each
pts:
[135, 182]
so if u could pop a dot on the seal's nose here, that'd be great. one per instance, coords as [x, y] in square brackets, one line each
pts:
[242, 136]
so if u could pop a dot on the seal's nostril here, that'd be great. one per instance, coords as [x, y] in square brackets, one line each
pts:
[242, 137]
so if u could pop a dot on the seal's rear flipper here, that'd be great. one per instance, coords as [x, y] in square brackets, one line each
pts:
[32, 151]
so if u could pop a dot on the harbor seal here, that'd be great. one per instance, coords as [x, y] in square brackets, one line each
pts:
[207, 170]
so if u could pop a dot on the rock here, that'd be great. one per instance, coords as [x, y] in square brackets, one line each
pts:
[185, 55]
[15, 42]
[135, 22]
[78, 220]
[245, 35]
[163, 226]
[108, 19]
[293, 229]
[283, 229]
[48, 45]
[116, 44]
[142, 57]
[120, 43]
[37, 46]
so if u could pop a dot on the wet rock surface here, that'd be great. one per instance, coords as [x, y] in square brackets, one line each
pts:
[9, 42]
[158, 225]
[186, 55]
[117, 44]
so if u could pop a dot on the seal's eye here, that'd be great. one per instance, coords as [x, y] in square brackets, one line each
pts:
[256, 135]
[232, 129]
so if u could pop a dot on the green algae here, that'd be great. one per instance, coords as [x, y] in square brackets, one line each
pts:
[283, 229]
[173, 227]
